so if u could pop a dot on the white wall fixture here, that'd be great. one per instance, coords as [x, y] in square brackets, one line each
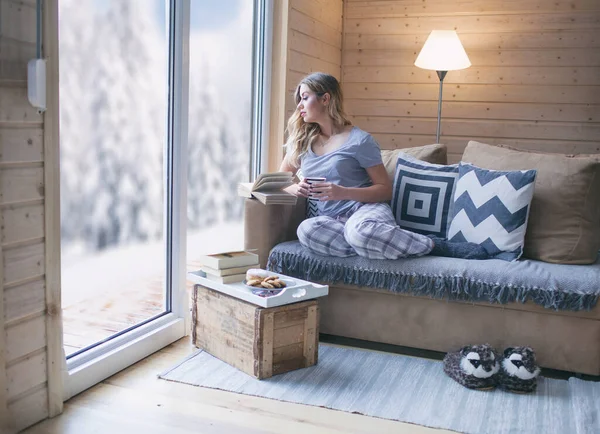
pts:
[36, 68]
[442, 52]
[36, 83]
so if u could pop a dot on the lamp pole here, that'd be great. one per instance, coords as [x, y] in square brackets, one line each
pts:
[442, 52]
[441, 75]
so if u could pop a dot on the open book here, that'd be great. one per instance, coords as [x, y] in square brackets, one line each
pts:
[268, 188]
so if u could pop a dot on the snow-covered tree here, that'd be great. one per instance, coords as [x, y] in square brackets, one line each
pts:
[113, 97]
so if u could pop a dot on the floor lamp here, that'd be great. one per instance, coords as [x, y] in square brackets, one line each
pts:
[442, 52]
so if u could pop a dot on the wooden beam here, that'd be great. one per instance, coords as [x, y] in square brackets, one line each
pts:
[55, 355]
[422, 8]
[5, 417]
[279, 68]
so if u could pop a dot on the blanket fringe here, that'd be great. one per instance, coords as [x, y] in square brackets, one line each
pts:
[435, 286]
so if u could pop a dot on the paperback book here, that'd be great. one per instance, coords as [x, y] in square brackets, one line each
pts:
[220, 261]
[227, 271]
[268, 189]
[227, 279]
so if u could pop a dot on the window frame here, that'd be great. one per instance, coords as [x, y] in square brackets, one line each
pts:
[262, 49]
[100, 362]
[117, 353]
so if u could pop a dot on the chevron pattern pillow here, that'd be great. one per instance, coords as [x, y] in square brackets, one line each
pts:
[491, 208]
[422, 195]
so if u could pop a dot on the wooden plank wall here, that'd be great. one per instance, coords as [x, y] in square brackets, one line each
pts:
[315, 40]
[314, 44]
[534, 81]
[22, 216]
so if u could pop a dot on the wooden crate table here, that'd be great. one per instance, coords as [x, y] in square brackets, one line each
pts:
[260, 341]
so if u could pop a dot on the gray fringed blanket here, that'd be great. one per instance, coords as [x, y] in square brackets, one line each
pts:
[565, 287]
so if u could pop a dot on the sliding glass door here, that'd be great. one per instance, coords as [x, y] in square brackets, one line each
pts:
[123, 127]
[220, 115]
[162, 113]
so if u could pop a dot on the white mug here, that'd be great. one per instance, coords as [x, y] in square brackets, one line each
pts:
[314, 180]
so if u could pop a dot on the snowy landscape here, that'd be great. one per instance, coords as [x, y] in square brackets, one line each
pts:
[113, 90]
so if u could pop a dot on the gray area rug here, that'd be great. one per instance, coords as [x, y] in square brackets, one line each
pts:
[407, 389]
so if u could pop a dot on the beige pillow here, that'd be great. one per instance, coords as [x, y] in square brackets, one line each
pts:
[564, 221]
[436, 154]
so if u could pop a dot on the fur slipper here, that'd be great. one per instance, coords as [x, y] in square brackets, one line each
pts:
[473, 366]
[518, 370]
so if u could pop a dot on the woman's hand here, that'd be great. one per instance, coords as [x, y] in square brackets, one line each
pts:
[300, 189]
[327, 191]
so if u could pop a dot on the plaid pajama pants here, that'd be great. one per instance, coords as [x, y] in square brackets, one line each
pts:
[371, 231]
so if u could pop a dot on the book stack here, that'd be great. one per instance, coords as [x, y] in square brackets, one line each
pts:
[268, 189]
[228, 267]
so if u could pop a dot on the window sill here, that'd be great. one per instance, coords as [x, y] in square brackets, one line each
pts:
[101, 362]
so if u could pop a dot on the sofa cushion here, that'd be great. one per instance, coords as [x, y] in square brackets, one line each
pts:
[422, 195]
[556, 286]
[436, 154]
[491, 208]
[564, 222]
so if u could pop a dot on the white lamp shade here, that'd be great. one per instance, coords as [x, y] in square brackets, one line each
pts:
[443, 52]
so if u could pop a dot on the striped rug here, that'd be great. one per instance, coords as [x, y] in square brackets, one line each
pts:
[407, 389]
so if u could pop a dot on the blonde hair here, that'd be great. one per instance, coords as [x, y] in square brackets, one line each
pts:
[302, 134]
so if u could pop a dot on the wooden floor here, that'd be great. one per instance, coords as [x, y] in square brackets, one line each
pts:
[136, 401]
[95, 319]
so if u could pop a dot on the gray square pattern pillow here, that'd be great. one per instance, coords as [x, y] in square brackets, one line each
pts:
[422, 195]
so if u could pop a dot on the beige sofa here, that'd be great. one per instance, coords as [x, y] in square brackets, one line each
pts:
[563, 339]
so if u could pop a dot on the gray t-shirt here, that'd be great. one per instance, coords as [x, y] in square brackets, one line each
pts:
[345, 166]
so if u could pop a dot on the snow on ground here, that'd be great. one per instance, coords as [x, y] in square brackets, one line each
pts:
[86, 277]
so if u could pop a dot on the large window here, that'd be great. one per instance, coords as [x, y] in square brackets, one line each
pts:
[156, 107]
[113, 101]
[219, 123]
[123, 93]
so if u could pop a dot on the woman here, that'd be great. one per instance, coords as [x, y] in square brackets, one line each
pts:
[354, 216]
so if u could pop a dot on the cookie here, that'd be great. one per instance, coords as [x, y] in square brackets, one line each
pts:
[256, 273]
[278, 283]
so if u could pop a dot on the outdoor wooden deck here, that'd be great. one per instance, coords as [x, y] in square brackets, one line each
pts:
[93, 320]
